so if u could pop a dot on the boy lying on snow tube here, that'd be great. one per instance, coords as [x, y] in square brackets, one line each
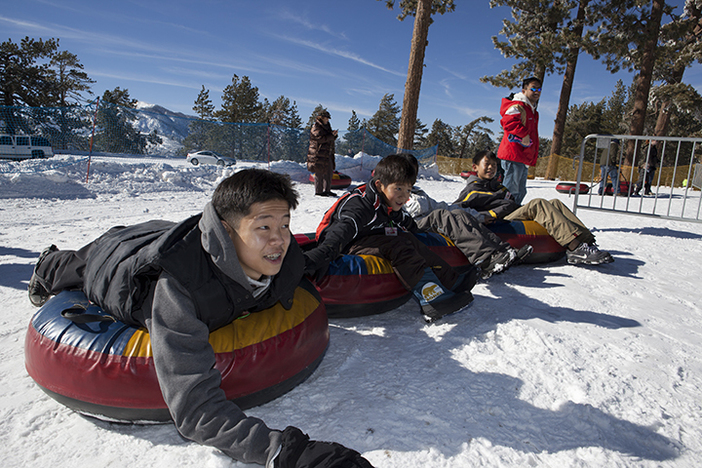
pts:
[183, 281]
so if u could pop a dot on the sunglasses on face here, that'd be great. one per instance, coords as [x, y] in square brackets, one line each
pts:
[536, 90]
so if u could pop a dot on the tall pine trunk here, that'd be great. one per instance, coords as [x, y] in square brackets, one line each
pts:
[410, 102]
[564, 100]
[643, 78]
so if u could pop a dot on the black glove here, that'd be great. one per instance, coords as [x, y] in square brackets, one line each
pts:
[316, 265]
[298, 451]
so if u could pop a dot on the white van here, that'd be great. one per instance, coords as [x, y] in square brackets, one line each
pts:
[24, 147]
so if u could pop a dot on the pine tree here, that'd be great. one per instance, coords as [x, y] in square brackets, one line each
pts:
[25, 76]
[240, 102]
[422, 10]
[385, 123]
[282, 112]
[616, 115]
[628, 38]
[203, 106]
[470, 138]
[116, 133]
[25, 80]
[353, 138]
[680, 46]
[440, 135]
[420, 135]
[70, 79]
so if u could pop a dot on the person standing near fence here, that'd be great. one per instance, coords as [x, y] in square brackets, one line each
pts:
[647, 169]
[321, 154]
[519, 148]
[609, 167]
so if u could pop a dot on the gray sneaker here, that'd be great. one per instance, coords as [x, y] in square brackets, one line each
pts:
[588, 254]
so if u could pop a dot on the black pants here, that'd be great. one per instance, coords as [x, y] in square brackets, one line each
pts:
[471, 236]
[63, 269]
[408, 256]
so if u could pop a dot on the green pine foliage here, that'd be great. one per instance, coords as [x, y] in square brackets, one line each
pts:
[385, 123]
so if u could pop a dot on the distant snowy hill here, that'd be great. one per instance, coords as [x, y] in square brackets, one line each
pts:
[171, 126]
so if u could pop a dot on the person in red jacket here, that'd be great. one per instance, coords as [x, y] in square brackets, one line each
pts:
[520, 143]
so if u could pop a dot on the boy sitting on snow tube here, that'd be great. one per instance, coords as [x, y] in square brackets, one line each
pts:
[490, 198]
[481, 246]
[370, 221]
[182, 281]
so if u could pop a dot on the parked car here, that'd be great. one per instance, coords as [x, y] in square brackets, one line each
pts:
[24, 147]
[209, 157]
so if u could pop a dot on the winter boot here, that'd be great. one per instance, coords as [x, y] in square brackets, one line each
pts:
[436, 300]
[38, 294]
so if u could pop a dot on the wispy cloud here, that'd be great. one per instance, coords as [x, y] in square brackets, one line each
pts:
[453, 73]
[143, 79]
[339, 53]
[339, 108]
[287, 15]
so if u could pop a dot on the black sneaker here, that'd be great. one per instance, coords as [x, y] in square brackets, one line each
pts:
[523, 253]
[38, 294]
[588, 254]
[498, 262]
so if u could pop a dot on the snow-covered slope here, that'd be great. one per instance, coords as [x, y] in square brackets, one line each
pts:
[552, 365]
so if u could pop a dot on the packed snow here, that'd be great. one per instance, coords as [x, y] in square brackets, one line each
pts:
[552, 365]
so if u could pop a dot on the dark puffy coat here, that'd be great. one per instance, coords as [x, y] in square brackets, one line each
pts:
[488, 197]
[127, 261]
[358, 214]
[322, 148]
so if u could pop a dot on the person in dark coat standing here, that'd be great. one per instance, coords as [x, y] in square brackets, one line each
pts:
[320, 155]
[647, 169]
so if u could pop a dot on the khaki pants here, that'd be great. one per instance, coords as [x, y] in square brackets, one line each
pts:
[556, 218]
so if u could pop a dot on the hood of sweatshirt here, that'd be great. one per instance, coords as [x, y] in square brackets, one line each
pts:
[216, 242]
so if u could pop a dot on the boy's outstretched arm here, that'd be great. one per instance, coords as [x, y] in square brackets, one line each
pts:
[335, 238]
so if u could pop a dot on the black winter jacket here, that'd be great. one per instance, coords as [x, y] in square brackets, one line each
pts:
[488, 197]
[358, 214]
[126, 262]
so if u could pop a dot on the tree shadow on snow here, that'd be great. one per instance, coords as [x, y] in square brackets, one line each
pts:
[387, 384]
[391, 382]
[16, 275]
[655, 231]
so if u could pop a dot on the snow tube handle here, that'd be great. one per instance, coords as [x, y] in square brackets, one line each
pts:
[76, 314]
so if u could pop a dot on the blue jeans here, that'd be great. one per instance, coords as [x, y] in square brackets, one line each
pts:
[613, 174]
[515, 179]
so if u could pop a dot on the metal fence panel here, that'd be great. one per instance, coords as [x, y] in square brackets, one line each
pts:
[671, 195]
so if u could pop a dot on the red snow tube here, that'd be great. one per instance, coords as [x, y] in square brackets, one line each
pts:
[466, 174]
[105, 369]
[519, 233]
[339, 180]
[623, 188]
[360, 285]
[571, 187]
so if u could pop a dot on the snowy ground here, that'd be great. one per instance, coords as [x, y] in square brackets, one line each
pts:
[552, 365]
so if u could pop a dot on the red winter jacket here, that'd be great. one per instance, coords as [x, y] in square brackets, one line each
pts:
[520, 142]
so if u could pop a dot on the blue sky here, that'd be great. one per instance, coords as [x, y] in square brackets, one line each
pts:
[344, 55]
